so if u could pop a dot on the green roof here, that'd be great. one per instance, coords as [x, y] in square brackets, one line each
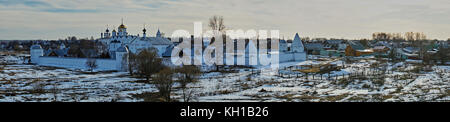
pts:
[356, 45]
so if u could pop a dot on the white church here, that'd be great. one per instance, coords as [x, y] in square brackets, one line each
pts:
[119, 44]
[135, 43]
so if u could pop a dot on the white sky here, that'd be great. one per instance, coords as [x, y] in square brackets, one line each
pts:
[351, 19]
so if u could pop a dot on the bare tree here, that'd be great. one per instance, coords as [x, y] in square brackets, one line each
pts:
[2, 65]
[383, 36]
[409, 36]
[187, 74]
[415, 36]
[164, 82]
[55, 91]
[131, 63]
[443, 55]
[91, 63]
[217, 23]
[391, 54]
[148, 63]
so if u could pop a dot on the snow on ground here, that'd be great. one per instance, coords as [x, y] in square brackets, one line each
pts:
[396, 86]
[29, 83]
[23, 83]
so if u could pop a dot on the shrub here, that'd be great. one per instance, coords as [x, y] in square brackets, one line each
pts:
[188, 74]
[366, 86]
[343, 82]
[164, 82]
[38, 87]
[91, 64]
[249, 78]
[378, 82]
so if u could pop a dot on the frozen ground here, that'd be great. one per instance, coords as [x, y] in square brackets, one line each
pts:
[29, 83]
[401, 84]
[33, 83]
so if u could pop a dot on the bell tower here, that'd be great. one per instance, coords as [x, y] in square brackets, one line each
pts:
[144, 32]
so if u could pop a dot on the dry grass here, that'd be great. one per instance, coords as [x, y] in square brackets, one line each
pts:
[290, 97]
[334, 98]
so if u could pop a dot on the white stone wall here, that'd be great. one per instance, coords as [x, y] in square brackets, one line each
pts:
[289, 57]
[78, 63]
[35, 54]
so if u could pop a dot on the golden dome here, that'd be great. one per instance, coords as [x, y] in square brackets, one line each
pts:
[122, 26]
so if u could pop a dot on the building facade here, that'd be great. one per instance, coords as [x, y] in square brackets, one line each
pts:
[135, 43]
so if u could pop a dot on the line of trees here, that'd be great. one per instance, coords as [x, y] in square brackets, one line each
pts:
[408, 36]
[147, 64]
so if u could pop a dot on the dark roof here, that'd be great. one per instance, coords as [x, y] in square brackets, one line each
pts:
[58, 52]
[158, 41]
[334, 41]
[47, 52]
[382, 43]
[168, 52]
[313, 46]
[356, 45]
[61, 52]
[36, 47]
[411, 49]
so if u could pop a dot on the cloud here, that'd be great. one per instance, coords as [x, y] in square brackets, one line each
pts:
[62, 10]
[29, 3]
[313, 18]
[43, 6]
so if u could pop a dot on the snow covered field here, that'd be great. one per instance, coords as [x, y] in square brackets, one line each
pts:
[29, 83]
[33, 83]
[431, 86]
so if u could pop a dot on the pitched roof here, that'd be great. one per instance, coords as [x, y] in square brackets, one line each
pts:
[411, 49]
[297, 44]
[334, 41]
[36, 47]
[57, 52]
[356, 45]
[313, 46]
[168, 52]
[383, 43]
[158, 41]
[297, 37]
[379, 47]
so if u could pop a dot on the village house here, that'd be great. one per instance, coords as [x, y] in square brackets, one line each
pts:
[407, 53]
[334, 48]
[313, 48]
[443, 44]
[333, 44]
[355, 48]
[335, 53]
[381, 50]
